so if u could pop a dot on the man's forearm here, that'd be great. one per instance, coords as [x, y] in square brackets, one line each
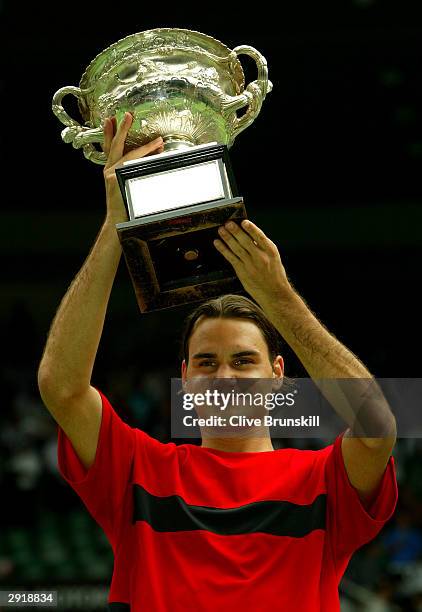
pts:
[68, 360]
[320, 352]
[359, 402]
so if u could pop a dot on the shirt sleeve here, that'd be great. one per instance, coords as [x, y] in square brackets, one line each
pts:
[350, 524]
[103, 486]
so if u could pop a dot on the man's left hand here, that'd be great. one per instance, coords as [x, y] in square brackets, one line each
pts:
[255, 259]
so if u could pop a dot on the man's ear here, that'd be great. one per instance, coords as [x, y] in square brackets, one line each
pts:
[278, 367]
[278, 373]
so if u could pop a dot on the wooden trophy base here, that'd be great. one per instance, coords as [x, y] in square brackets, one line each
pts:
[171, 256]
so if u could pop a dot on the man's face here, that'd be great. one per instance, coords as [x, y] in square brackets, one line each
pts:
[229, 348]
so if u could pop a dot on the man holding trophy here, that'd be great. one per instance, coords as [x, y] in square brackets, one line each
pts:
[232, 524]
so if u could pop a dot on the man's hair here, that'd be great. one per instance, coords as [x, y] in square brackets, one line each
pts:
[233, 306]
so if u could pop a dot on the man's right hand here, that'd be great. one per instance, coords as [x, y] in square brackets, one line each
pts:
[114, 146]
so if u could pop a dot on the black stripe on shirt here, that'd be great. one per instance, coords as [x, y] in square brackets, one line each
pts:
[116, 606]
[279, 518]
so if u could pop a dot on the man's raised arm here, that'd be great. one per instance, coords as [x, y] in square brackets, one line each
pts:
[256, 261]
[64, 374]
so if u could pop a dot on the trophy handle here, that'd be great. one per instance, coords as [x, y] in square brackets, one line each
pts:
[254, 94]
[80, 136]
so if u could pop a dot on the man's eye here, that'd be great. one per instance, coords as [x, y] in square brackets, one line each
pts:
[209, 363]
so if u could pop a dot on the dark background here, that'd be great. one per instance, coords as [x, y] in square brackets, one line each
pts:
[330, 170]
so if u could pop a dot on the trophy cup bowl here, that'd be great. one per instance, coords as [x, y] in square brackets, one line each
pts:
[182, 85]
[188, 88]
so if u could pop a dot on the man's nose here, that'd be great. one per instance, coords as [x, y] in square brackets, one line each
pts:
[225, 380]
[225, 370]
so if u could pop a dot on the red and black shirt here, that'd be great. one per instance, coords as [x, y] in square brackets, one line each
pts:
[198, 530]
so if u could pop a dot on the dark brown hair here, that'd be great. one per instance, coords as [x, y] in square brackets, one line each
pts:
[233, 306]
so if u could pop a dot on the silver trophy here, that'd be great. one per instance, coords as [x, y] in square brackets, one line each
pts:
[188, 88]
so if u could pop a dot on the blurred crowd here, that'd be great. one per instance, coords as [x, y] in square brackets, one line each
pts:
[383, 576]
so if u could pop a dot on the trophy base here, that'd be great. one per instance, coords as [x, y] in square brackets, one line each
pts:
[171, 256]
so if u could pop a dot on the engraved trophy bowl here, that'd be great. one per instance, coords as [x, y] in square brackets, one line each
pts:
[179, 84]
